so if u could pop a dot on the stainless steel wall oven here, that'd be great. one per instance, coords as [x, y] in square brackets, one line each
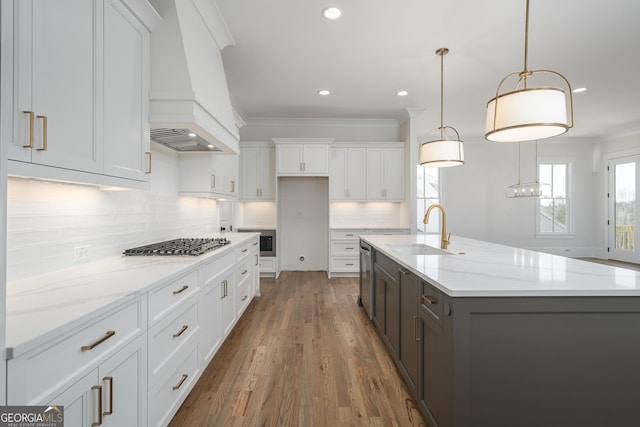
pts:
[267, 240]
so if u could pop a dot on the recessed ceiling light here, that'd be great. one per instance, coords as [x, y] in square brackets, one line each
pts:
[331, 13]
[192, 135]
[323, 92]
[402, 93]
[210, 146]
[579, 89]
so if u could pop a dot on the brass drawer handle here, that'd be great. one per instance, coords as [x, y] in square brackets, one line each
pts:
[181, 331]
[99, 388]
[31, 119]
[182, 289]
[429, 300]
[403, 271]
[244, 272]
[110, 411]
[148, 153]
[415, 336]
[244, 298]
[245, 250]
[182, 380]
[108, 335]
[44, 133]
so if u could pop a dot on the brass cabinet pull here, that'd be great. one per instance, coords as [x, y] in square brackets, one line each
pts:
[403, 271]
[182, 380]
[182, 289]
[349, 249]
[245, 250]
[213, 180]
[255, 243]
[99, 388]
[349, 234]
[44, 133]
[233, 186]
[244, 298]
[148, 153]
[181, 331]
[415, 336]
[257, 260]
[31, 119]
[429, 300]
[224, 289]
[108, 335]
[244, 272]
[110, 411]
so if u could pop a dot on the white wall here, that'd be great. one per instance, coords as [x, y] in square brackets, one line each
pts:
[303, 223]
[477, 207]
[47, 220]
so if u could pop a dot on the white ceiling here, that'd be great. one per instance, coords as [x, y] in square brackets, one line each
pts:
[285, 52]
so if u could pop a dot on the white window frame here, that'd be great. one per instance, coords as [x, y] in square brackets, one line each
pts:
[568, 233]
[434, 221]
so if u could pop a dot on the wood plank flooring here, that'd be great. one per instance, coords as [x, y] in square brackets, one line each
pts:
[303, 354]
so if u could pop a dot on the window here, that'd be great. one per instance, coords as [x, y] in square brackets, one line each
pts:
[554, 205]
[428, 194]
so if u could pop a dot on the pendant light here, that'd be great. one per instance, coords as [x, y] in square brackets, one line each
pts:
[529, 113]
[443, 152]
[526, 189]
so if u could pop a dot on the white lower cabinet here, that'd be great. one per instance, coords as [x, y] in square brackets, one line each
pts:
[345, 247]
[114, 394]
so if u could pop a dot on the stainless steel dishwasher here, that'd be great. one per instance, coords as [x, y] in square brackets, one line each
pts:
[366, 279]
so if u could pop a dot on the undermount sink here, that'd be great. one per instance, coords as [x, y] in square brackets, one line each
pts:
[416, 249]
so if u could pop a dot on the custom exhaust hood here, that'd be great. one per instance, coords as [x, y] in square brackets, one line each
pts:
[190, 106]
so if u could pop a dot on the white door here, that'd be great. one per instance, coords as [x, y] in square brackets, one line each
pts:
[624, 208]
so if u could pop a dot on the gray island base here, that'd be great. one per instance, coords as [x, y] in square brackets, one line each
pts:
[488, 335]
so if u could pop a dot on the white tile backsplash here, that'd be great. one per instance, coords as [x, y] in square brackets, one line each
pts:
[46, 221]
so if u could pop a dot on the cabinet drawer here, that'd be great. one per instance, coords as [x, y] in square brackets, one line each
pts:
[351, 234]
[214, 268]
[168, 337]
[345, 264]
[166, 297]
[243, 296]
[388, 231]
[432, 301]
[345, 249]
[35, 375]
[243, 270]
[244, 250]
[165, 399]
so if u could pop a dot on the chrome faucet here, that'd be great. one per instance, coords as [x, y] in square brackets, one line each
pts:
[445, 240]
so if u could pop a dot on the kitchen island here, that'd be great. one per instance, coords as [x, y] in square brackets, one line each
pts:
[491, 335]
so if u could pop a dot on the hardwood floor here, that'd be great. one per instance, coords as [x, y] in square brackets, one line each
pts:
[304, 354]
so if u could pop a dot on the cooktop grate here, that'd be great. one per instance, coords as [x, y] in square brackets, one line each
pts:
[179, 247]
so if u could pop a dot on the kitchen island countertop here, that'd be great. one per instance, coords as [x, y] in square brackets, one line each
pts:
[473, 268]
[42, 307]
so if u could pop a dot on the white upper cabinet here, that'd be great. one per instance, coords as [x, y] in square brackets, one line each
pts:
[55, 104]
[385, 173]
[257, 172]
[302, 156]
[79, 82]
[209, 175]
[347, 180]
[126, 89]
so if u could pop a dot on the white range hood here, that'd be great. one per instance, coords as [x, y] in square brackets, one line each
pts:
[189, 93]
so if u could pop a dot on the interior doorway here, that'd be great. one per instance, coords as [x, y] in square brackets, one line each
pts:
[624, 208]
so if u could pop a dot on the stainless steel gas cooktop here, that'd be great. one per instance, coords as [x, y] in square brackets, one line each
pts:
[179, 247]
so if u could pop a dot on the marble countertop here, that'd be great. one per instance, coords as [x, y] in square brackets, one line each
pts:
[42, 307]
[474, 268]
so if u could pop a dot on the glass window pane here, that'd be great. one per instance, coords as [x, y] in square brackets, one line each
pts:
[559, 180]
[420, 179]
[560, 216]
[432, 184]
[546, 215]
[625, 201]
[545, 177]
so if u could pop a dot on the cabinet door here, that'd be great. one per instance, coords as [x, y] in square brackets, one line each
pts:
[209, 319]
[338, 184]
[379, 290]
[249, 173]
[409, 344]
[124, 386]
[227, 297]
[392, 313]
[433, 377]
[200, 174]
[56, 54]
[393, 173]
[229, 166]
[356, 173]
[289, 159]
[316, 159]
[375, 174]
[267, 173]
[80, 402]
[126, 88]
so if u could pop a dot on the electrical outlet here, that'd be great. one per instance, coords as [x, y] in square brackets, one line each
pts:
[81, 252]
